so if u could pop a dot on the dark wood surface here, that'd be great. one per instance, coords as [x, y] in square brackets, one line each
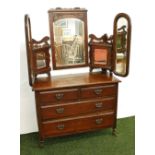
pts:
[78, 124]
[62, 110]
[75, 103]
[73, 80]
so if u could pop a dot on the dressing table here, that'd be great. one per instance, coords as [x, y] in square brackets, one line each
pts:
[77, 103]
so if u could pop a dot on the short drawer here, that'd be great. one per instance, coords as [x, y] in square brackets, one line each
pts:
[78, 124]
[48, 97]
[76, 108]
[100, 91]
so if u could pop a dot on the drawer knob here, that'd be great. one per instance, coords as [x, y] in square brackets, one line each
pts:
[61, 126]
[98, 91]
[99, 121]
[59, 96]
[60, 110]
[99, 105]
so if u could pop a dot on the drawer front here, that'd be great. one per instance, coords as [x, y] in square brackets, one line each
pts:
[100, 91]
[79, 124]
[71, 109]
[95, 122]
[48, 97]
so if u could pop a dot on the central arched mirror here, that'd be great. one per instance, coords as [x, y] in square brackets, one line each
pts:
[68, 29]
[121, 46]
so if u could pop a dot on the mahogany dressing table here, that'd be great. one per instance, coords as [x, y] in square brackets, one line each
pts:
[76, 103]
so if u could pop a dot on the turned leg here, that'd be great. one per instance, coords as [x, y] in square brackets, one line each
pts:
[104, 70]
[111, 73]
[41, 141]
[114, 132]
[48, 74]
[41, 144]
[90, 69]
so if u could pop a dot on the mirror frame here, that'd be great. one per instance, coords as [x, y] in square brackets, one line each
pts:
[103, 42]
[118, 16]
[59, 13]
[33, 48]
[28, 40]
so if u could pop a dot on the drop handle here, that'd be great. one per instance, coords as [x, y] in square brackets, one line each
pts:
[59, 96]
[60, 110]
[99, 105]
[98, 91]
[99, 121]
[61, 126]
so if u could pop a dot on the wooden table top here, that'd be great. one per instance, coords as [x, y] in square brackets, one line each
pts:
[72, 80]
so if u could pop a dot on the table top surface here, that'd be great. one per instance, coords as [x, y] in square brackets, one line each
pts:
[73, 80]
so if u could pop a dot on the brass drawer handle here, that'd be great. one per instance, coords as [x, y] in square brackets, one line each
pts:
[99, 105]
[61, 126]
[99, 121]
[59, 96]
[98, 91]
[60, 110]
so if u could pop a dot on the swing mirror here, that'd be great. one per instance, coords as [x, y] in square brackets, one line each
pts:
[121, 48]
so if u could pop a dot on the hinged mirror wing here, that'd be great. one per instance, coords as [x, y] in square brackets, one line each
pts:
[121, 44]
[38, 57]
[100, 52]
[68, 32]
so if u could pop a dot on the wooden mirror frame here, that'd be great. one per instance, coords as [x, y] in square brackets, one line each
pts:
[28, 40]
[118, 16]
[59, 13]
[102, 43]
[36, 50]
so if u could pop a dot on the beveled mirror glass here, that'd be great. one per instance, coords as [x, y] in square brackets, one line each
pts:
[68, 38]
[40, 60]
[122, 36]
[69, 42]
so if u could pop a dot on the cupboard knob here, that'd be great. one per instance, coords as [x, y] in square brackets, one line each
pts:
[98, 91]
[60, 110]
[59, 96]
[61, 126]
[99, 105]
[99, 121]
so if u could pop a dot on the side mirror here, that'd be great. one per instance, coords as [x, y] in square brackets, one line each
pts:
[121, 44]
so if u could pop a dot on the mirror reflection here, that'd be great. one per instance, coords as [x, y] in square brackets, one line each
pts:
[100, 56]
[40, 60]
[69, 42]
[121, 45]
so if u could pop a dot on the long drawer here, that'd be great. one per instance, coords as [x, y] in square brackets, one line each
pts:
[53, 96]
[78, 124]
[76, 108]
[98, 91]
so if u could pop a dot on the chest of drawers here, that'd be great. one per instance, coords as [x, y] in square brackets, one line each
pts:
[77, 103]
